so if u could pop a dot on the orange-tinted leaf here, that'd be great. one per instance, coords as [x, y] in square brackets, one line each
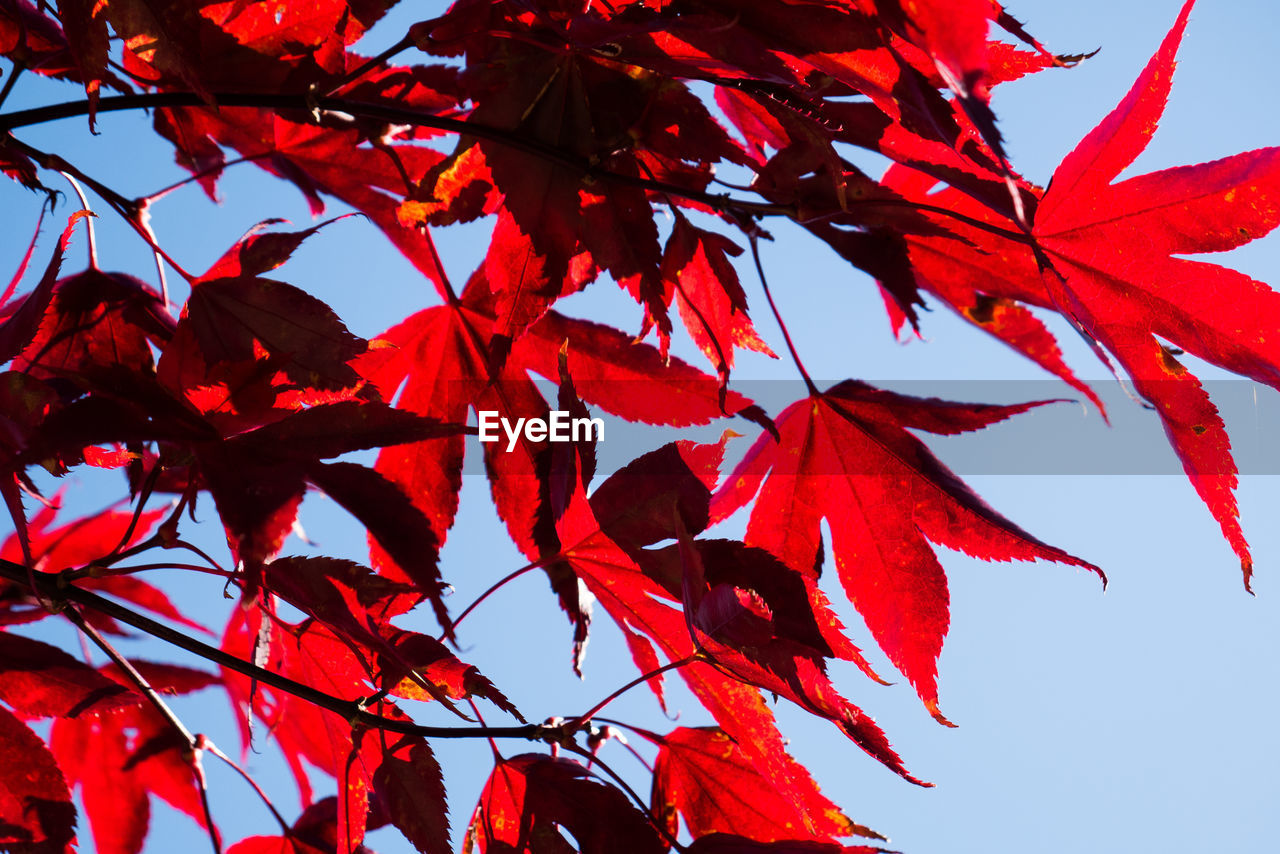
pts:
[311, 654]
[420, 667]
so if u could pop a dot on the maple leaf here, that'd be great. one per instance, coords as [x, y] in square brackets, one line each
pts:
[78, 543]
[688, 776]
[530, 798]
[1109, 246]
[39, 679]
[1100, 254]
[885, 497]
[35, 40]
[21, 322]
[709, 295]
[36, 812]
[664, 495]
[408, 784]
[119, 758]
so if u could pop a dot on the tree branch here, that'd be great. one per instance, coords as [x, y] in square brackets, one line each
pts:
[304, 103]
[49, 586]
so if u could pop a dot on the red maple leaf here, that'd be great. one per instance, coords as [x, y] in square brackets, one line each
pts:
[36, 812]
[688, 777]
[845, 455]
[1100, 253]
[119, 758]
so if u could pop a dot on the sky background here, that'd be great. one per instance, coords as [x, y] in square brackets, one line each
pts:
[1136, 719]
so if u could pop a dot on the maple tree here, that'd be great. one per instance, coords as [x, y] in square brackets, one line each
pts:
[590, 135]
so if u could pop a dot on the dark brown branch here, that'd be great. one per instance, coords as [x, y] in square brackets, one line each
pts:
[393, 115]
[48, 587]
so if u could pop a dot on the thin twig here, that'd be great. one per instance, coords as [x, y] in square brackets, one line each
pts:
[195, 550]
[128, 209]
[754, 240]
[352, 76]
[639, 680]
[96, 571]
[192, 748]
[203, 173]
[493, 588]
[213, 748]
[14, 73]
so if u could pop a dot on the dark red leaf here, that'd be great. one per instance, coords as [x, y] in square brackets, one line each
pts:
[530, 798]
[409, 785]
[36, 812]
[39, 679]
[21, 325]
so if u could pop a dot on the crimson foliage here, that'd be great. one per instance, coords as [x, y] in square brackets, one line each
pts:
[572, 126]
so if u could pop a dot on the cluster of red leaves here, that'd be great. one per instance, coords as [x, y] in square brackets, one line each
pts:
[570, 124]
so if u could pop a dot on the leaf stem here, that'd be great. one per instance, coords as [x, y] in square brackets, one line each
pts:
[88, 220]
[577, 722]
[96, 571]
[14, 74]
[754, 239]
[640, 802]
[129, 210]
[213, 748]
[395, 115]
[144, 495]
[196, 176]
[494, 588]
[354, 75]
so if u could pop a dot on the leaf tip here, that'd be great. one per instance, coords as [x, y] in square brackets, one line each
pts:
[932, 706]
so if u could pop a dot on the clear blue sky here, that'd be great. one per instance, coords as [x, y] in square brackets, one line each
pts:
[1139, 719]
